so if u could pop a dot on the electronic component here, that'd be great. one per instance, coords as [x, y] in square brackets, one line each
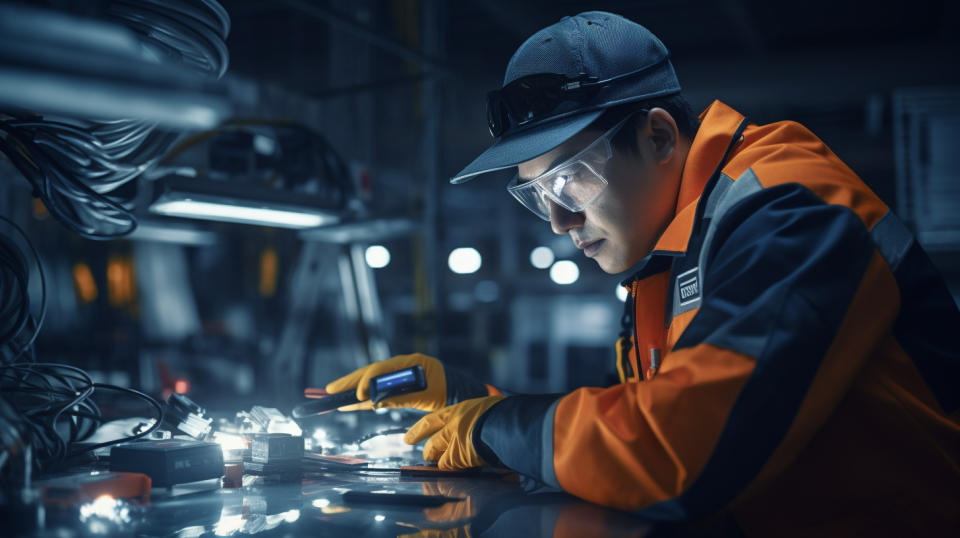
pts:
[260, 468]
[186, 416]
[273, 454]
[383, 386]
[169, 462]
[276, 447]
[399, 382]
[267, 419]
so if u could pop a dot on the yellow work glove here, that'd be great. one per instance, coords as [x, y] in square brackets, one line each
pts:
[430, 399]
[444, 386]
[451, 429]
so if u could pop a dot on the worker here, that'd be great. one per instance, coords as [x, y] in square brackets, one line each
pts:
[789, 356]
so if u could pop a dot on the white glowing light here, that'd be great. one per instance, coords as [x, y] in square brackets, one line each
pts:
[622, 293]
[229, 441]
[385, 446]
[284, 425]
[291, 515]
[541, 257]
[564, 272]
[237, 213]
[320, 435]
[464, 261]
[321, 503]
[105, 507]
[379, 517]
[377, 256]
[194, 531]
[229, 524]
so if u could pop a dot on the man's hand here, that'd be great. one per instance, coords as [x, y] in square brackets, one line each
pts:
[432, 398]
[445, 386]
[452, 431]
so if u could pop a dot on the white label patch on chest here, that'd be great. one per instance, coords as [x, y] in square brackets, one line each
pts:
[688, 286]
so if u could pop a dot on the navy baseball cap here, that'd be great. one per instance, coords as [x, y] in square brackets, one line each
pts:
[593, 45]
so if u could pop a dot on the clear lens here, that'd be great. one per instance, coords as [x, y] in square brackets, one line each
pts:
[572, 187]
[573, 184]
[531, 197]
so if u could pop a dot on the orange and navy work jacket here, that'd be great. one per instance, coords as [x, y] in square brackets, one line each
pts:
[794, 360]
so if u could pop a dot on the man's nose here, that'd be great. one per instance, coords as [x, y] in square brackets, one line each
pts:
[562, 220]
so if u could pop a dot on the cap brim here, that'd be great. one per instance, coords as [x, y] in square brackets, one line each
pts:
[509, 151]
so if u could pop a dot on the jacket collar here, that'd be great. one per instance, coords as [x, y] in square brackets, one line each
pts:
[718, 125]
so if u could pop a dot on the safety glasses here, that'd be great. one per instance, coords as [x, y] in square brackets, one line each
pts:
[533, 98]
[572, 184]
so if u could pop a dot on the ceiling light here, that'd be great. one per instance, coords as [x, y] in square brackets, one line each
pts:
[242, 203]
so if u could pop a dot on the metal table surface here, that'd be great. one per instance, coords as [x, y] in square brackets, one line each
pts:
[314, 506]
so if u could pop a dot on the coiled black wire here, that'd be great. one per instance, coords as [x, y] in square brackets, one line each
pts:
[15, 317]
[54, 401]
[74, 166]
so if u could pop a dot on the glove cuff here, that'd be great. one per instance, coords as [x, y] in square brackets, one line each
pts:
[511, 433]
[461, 386]
[481, 448]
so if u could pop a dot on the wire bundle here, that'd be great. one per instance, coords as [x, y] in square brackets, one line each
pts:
[57, 407]
[54, 401]
[75, 165]
[18, 327]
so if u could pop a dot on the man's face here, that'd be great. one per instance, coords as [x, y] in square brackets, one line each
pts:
[623, 223]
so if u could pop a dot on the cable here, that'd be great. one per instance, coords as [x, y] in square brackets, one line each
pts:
[74, 166]
[12, 262]
[149, 399]
[46, 394]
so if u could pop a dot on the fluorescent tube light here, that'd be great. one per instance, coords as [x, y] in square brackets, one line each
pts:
[236, 213]
[243, 203]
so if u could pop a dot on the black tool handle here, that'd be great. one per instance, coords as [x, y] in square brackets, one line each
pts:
[327, 403]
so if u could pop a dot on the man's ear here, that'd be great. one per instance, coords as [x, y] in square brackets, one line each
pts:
[661, 133]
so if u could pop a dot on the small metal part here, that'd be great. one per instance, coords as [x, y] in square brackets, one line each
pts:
[273, 448]
[271, 420]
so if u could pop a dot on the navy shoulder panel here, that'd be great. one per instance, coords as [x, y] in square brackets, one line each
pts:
[780, 273]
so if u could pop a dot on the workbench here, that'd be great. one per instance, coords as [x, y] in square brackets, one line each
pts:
[314, 506]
